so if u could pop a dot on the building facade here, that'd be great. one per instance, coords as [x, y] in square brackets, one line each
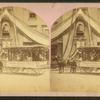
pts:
[79, 28]
[23, 35]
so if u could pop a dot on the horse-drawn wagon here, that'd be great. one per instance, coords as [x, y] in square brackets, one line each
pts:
[25, 60]
[90, 59]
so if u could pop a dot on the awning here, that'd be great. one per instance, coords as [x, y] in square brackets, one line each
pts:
[68, 23]
[33, 34]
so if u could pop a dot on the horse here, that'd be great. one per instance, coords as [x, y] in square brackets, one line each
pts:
[72, 65]
[61, 64]
[1, 66]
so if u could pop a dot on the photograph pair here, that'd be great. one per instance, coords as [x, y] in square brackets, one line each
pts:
[49, 48]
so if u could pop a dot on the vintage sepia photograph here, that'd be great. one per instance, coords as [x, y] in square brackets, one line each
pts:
[75, 51]
[24, 52]
[49, 49]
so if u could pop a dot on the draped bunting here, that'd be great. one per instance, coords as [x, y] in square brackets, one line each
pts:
[68, 47]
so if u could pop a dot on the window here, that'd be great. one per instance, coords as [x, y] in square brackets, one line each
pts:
[98, 43]
[32, 15]
[5, 29]
[10, 9]
[6, 44]
[80, 29]
[56, 22]
[34, 26]
[44, 28]
[5, 34]
[29, 43]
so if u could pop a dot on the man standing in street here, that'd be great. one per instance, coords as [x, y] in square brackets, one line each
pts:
[73, 66]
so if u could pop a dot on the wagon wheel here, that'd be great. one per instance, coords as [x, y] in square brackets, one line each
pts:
[6, 69]
[91, 69]
[87, 69]
[1, 70]
[16, 70]
[83, 69]
[12, 70]
[37, 71]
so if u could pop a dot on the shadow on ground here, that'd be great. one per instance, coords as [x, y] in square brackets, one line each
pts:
[80, 73]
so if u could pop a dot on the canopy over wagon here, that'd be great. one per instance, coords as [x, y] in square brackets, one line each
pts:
[89, 53]
[26, 53]
[88, 58]
[28, 59]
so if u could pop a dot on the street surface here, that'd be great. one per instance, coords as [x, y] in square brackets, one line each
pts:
[24, 84]
[75, 82]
